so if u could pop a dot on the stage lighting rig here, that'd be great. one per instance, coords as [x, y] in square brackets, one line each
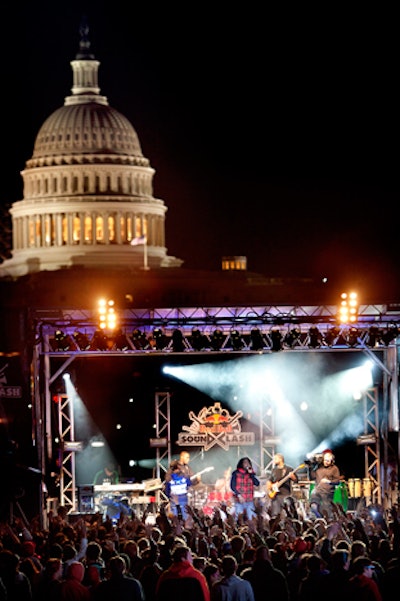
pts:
[276, 340]
[257, 342]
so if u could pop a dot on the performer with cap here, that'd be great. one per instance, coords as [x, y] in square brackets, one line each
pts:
[327, 476]
[176, 484]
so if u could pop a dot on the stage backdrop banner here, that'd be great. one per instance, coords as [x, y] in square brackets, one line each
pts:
[11, 379]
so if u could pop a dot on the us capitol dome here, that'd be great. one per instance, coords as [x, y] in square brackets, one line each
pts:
[87, 189]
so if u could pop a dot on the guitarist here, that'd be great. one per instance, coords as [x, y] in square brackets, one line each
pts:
[279, 487]
[183, 462]
[178, 479]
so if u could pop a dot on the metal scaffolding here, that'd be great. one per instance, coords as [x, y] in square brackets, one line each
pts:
[294, 323]
[370, 439]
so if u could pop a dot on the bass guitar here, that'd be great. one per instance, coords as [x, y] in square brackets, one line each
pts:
[276, 485]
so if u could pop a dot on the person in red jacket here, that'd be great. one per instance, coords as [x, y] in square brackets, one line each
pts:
[362, 584]
[182, 580]
[72, 587]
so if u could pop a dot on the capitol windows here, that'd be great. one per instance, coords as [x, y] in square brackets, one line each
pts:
[38, 231]
[111, 228]
[122, 228]
[100, 229]
[87, 234]
[76, 232]
[64, 229]
[137, 228]
[31, 232]
[129, 228]
[48, 232]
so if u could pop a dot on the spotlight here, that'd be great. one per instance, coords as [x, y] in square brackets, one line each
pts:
[292, 338]
[257, 341]
[217, 339]
[99, 341]
[198, 340]
[178, 343]
[81, 340]
[139, 340]
[390, 334]
[315, 337]
[332, 336]
[62, 341]
[276, 340]
[121, 341]
[159, 339]
[353, 337]
[236, 340]
[348, 308]
[374, 336]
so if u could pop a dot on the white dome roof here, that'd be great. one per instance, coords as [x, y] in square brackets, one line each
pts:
[87, 128]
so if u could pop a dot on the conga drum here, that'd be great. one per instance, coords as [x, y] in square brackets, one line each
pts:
[367, 487]
[357, 488]
[340, 495]
[350, 484]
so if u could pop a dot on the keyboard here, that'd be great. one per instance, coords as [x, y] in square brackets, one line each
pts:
[123, 487]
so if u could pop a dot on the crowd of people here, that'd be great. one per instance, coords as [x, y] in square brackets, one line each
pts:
[278, 551]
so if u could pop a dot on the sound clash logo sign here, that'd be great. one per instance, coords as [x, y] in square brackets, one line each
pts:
[215, 426]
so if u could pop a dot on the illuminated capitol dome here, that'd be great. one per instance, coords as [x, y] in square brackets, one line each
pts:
[88, 189]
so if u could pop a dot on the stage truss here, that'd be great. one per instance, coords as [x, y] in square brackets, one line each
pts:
[372, 320]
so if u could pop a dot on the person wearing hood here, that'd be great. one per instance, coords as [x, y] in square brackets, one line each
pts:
[72, 588]
[182, 580]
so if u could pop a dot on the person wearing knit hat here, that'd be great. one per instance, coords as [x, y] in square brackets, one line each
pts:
[327, 476]
[28, 549]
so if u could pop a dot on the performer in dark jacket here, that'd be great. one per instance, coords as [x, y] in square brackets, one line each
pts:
[279, 486]
[327, 476]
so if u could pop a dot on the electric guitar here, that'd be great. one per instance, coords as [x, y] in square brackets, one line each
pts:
[276, 485]
[206, 469]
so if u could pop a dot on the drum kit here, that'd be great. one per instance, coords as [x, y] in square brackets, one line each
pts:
[198, 496]
[206, 498]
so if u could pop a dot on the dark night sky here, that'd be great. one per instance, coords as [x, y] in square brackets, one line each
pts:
[273, 134]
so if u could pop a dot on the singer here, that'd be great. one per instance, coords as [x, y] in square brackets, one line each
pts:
[243, 481]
